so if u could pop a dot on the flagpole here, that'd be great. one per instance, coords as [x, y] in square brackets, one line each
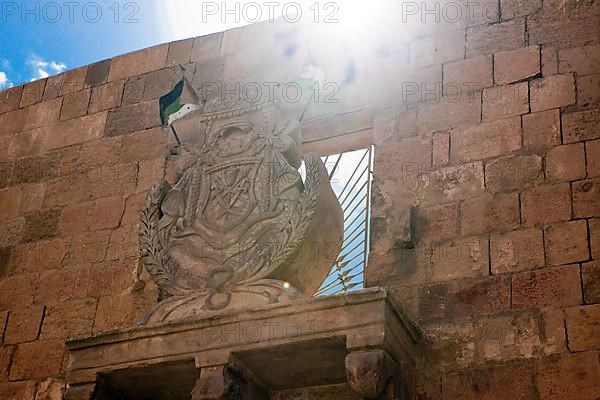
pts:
[175, 135]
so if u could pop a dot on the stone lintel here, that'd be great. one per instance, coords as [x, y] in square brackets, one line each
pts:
[301, 344]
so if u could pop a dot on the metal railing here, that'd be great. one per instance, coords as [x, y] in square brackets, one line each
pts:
[350, 174]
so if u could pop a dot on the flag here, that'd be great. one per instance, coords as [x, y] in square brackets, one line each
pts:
[171, 108]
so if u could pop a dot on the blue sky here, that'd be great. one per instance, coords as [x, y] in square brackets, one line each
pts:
[40, 38]
[45, 37]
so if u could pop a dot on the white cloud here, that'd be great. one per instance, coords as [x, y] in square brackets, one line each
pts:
[42, 68]
[4, 81]
[42, 74]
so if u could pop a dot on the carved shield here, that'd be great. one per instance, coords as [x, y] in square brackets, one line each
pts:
[229, 195]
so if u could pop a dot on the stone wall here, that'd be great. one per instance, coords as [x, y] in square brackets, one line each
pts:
[486, 216]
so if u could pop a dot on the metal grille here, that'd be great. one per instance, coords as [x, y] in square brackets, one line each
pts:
[350, 175]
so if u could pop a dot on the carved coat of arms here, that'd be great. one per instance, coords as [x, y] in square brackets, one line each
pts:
[239, 227]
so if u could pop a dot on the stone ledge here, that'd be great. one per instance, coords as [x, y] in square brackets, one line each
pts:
[280, 347]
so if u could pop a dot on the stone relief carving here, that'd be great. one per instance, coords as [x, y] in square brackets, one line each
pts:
[239, 227]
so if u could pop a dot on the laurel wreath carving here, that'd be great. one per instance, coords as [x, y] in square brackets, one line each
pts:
[296, 231]
[152, 252]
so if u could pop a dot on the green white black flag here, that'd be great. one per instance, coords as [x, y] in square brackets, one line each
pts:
[171, 108]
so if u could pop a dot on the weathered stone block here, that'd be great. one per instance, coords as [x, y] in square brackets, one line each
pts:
[44, 255]
[111, 180]
[449, 183]
[3, 321]
[472, 74]
[583, 327]
[447, 113]
[158, 83]
[61, 285]
[566, 163]
[97, 73]
[489, 213]
[546, 204]
[17, 291]
[180, 52]
[12, 121]
[566, 242]
[594, 225]
[26, 359]
[549, 61]
[41, 224]
[507, 337]
[463, 258]
[512, 381]
[10, 201]
[569, 376]
[75, 218]
[88, 247]
[98, 153]
[106, 97]
[6, 353]
[53, 86]
[120, 311]
[77, 130]
[588, 92]
[69, 319]
[32, 197]
[552, 92]
[107, 212]
[505, 101]
[137, 117]
[517, 251]
[145, 145]
[206, 47]
[18, 390]
[27, 143]
[582, 60]
[506, 174]
[518, 8]
[441, 149]
[437, 222]
[488, 39]
[24, 325]
[114, 277]
[75, 104]
[486, 140]
[586, 198]
[11, 231]
[35, 169]
[464, 299]
[32, 93]
[133, 206]
[484, 12]
[558, 286]
[515, 65]
[138, 62]
[578, 126]
[590, 273]
[124, 243]
[133, 91]
[563, 27]
[10, 99]
[73, 80]
[149, 172]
